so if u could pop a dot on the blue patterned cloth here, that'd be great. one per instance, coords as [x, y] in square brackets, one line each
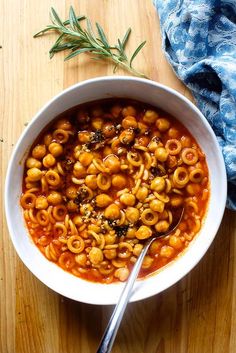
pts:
[199, 40]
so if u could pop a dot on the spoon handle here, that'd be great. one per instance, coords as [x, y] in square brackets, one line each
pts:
[115, 320]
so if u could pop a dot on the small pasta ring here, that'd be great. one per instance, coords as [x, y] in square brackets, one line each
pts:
[103, 181]
[149, 217]
[189, 156]
[75, 244]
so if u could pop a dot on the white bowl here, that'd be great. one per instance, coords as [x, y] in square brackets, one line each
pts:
[91, 90]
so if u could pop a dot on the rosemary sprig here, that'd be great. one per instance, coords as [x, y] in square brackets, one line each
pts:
[78, 39]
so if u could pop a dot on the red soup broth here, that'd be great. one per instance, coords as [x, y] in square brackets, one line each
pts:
[105, 176]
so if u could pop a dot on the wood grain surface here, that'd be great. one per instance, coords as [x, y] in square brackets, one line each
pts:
[198, 314]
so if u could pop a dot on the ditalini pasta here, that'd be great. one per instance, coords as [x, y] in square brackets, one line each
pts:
[105, 176]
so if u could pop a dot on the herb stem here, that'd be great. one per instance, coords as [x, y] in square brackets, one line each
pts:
[73, 37]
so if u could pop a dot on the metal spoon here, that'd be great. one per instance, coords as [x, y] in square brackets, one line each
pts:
[115, 320]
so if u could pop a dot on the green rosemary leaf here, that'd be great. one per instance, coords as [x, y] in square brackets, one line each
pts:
[48, 28]
[90, 28]
[102, 35]
[77, 52]
[73, 20]
[56, 18]
[79, 18]
[126, 37]
[115, 68]
[136, 52]
[123, 56]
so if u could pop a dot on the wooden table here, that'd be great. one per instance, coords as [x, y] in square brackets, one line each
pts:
[198, 314]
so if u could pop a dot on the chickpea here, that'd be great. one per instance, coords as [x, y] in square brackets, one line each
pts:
[142, 193]
[39, 151]
[34, 174]
[79, 170]
[157, 206]
[173, 133]
[129, 110]
[147, 262]
[110, 253]
[175, 242]
[30, 185]
[142, 141]
[153, 145]
[81, 259]
[72, 206]
[137, 249]
[128, 199]
[33, 163]
[131, 232]
[185, 141]
[103, 200]
[71, 192]
[85, 208]
[126, 137]
[112, 211]
[92, 169]
[110, 239]
[122, 273]
[94, 227]
[142, 127]
[118, 181]
[161, 154]
[155, 135]
[143, 232]
[55, 149]
[84, 136]
[162, 124]
[49, 160]
[91, 181]
[162, 226]
[47, 139]
[107, 150]
[109, 130]
[193, 189]
[54, 198]
[129, 122]
[78, 221]
[176, 200]
[85, 158]
[155, 247]
[158, 184]
[97, 111]
[150, 116]
[112, 163]
[41, 203]
[82, 117]
[132, 214]
[116, 110]
[97, 123]
[63, 124]
[163, 215]
[167, 251]
[95, 255]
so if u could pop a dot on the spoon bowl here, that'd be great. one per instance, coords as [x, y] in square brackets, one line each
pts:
[115, 320]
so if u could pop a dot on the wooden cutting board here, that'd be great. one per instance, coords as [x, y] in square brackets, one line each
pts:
[198, 314]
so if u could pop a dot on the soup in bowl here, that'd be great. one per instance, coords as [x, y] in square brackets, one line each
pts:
[104, 166]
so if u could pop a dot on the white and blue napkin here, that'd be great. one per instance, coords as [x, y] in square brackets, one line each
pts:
[199, 40]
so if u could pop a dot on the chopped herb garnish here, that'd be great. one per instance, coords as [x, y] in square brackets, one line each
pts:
[120, 230]
[97, 136]
[157, 171]
[82, 195]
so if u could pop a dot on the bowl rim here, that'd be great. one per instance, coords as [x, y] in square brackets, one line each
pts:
[10, 169]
